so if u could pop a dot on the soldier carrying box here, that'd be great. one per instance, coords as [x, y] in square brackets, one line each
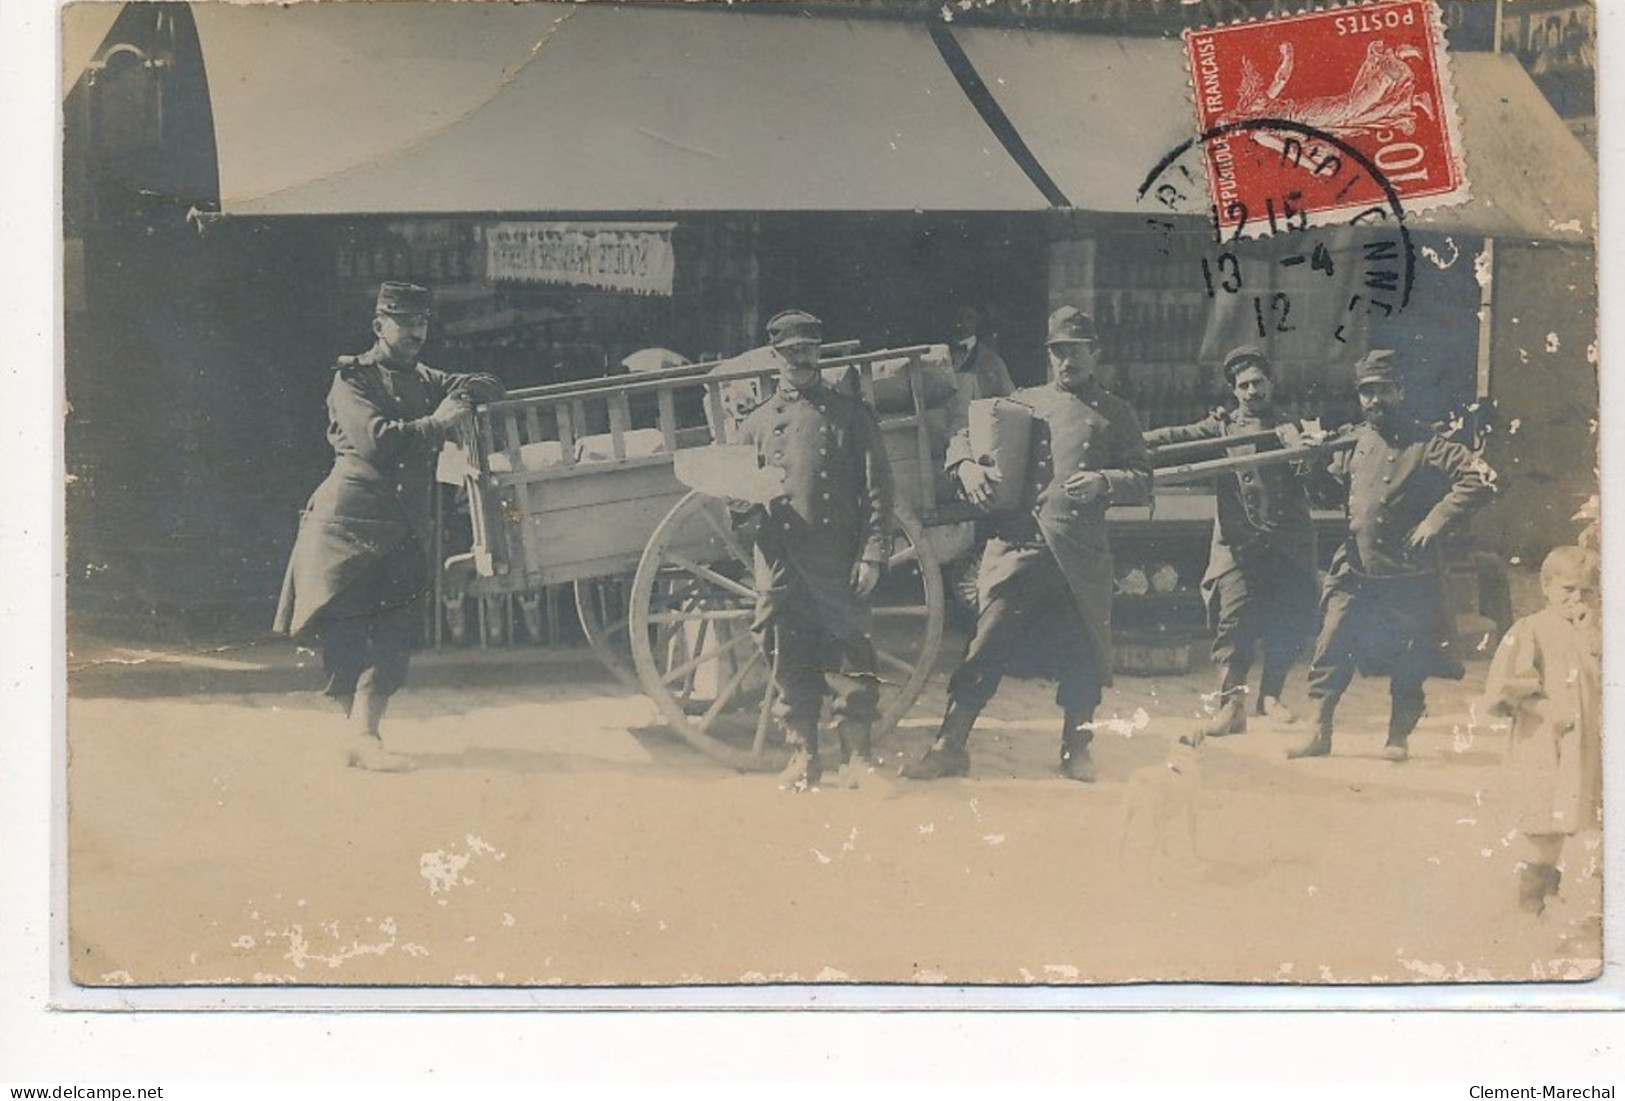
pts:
[1045, 584]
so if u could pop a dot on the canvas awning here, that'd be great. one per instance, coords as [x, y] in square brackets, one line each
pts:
[1530, 176]
[424, 108]
[1098, 113]
[431, 108]
[1070, 96]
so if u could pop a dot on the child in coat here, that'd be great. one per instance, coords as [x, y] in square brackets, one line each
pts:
[1547, 677]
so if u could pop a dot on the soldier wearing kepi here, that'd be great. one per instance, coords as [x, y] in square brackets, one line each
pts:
[359, 570]
[1045, 584]
[1382, 611]
[820, 549]
[1260, 580]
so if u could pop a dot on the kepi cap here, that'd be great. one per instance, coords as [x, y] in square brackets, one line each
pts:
[1239, 359]
[793, 327]
[1377, 366]
[1070, 325]
[405, 300]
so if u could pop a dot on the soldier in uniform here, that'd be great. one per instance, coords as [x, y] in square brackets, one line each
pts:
[1382, 609]
[1260, 579]
[359, 569]
[820, 548]
[1045, 584]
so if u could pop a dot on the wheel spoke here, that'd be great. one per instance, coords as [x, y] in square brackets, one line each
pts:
[678, 587]
[729, 690]
[702, 633]
[708, 581]
[708, 574]
[728, 538]
[715, 613]
[676, 603]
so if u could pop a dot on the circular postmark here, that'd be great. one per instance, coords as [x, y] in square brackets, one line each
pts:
[1275, 194]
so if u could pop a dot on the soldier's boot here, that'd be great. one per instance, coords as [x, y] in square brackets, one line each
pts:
[1229, 717]
[1403, 715]
[1076, 734]
[366, 747]
[947, 755]
[858, 767]
[803, 771]
[1320, 743]
[1536, 883]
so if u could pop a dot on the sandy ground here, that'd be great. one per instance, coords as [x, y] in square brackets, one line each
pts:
[552, 834]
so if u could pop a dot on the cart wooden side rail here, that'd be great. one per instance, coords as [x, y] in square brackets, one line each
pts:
[827, 353]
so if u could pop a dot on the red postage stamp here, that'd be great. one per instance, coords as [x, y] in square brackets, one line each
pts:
[1307, 119]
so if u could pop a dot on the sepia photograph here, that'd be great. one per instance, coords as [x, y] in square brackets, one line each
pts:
[935, 503]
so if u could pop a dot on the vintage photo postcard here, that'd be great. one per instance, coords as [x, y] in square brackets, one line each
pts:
[1003, 501]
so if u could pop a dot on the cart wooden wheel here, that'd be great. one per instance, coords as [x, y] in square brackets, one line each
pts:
[691, 608]
[601, 609]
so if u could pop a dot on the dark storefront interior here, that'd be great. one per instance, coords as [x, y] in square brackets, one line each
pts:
[200, 327]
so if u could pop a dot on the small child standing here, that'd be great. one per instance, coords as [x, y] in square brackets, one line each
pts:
[1547, 677]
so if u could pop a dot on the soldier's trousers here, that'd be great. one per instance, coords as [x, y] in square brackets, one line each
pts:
[1272, 604]
[1030, 626]
[813, 631]
[1383, 627]
[807, 664]
[375, 624]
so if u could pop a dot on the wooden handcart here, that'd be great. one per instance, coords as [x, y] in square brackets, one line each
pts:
[576, 484]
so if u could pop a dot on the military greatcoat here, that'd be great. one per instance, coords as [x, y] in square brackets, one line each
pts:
[835, 510]
[1382, 608]
[1072, 432]
[836, 506]
[378, 494]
